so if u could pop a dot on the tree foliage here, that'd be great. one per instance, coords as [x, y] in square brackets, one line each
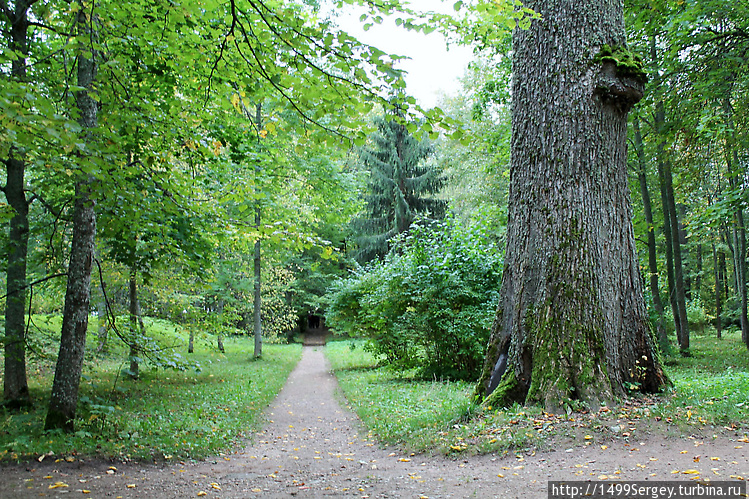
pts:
[429, 304]
[402, 185]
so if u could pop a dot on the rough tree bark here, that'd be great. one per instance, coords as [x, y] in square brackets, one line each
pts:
[64, 397]
[571, 325]
[15, 383]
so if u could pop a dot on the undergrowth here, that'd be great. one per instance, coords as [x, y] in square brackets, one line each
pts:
[210, 405]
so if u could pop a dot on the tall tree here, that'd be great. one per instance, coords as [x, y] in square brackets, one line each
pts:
[15, 384]
[652, 250]
[571, 325]
[402, 184]
[64, 398]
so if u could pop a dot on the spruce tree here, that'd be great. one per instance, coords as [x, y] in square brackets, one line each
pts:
[402, 184]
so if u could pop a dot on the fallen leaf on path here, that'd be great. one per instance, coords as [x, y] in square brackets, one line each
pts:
[690, 472]
[201, 493]
[58, 485]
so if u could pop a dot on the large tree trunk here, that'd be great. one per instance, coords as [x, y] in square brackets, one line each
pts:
[571, 326]
[661, 332]
[64, 397]
[15, 383]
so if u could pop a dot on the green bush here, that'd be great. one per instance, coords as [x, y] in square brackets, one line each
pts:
[429, 304]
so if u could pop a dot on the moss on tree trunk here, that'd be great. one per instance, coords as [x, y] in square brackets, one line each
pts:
[571, 327]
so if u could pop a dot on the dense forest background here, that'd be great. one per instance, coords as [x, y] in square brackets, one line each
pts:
[237, 168]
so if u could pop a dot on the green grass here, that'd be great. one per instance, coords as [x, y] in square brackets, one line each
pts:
[165, 415]
[397, 408]
[712, 385]
[710, 389]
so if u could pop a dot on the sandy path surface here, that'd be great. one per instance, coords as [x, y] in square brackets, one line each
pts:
[314, 447]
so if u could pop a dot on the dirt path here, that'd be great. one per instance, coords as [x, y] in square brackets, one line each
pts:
[313, 447]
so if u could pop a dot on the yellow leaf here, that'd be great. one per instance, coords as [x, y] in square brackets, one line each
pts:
[588, 437]
[604, 447]
[216, 486]
[130, 485]
[201, 494]
[58, 485]
[235, 101]
[690, 472]
[404, 460]
[714, 459]
[86, 491]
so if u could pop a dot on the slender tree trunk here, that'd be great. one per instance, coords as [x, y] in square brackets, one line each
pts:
[103, 332]
[679, 291]
[735, 174]
[571, 326]
[134, 332]
[671, 281]
[220, 336]
[661, 333]
[718, 294]
[191, 342]
[698, 269]
[257, 299]
[15, 383]
[64, 397]
[103, 314]
[681, 211]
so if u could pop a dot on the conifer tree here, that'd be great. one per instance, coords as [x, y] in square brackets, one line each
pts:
[402, 184]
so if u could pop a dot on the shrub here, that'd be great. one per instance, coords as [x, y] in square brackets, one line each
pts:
[429, 304]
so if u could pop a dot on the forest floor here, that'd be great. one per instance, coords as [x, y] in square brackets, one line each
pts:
[313, 446]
